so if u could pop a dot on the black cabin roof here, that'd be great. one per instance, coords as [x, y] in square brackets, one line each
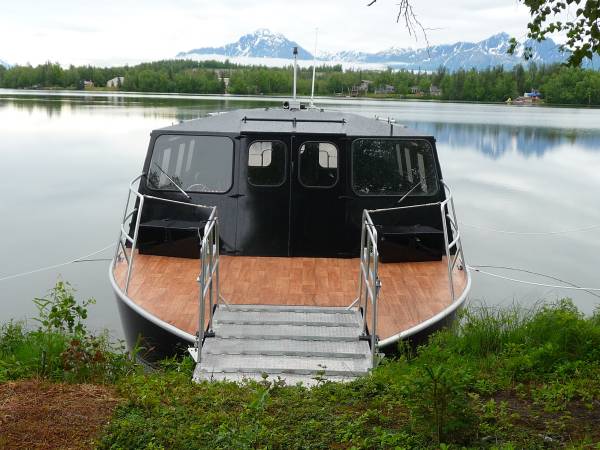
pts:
[279, 120]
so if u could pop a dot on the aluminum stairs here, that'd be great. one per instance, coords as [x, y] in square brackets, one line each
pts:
[294, 343]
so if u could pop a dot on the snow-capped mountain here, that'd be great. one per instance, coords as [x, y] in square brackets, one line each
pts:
[489, 52]
[260, 44]
[461, 55]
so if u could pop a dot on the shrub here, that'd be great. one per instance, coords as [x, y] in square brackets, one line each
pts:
[59, 311]
[61, 348]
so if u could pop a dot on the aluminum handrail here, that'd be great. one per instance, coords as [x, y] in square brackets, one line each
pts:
[209, 282]
[450, 223]
[125, 236]
[369, 283]
[209, 256]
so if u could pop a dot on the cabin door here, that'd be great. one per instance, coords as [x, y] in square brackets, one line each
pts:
[291, 196]
[263, 217]
[317, 205]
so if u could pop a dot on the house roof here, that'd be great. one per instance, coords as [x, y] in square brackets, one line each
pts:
[292, 121]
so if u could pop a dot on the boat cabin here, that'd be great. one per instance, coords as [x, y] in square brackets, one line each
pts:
[292, 183]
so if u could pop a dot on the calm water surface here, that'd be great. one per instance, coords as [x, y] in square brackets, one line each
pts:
[67, 161]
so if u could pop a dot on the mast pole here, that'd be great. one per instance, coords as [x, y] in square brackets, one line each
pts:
[312, 89]
[295, 68]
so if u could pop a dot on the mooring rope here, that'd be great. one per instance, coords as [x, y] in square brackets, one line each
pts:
[572, 286]
[83, 258]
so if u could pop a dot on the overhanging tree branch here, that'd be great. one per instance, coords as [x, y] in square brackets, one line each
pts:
[411, 21]
[582, 31]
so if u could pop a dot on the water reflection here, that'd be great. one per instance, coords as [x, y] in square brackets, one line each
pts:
[495, 141]
[151, 107]
[492, 140]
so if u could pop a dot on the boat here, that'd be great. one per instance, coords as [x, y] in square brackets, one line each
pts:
[290, 242]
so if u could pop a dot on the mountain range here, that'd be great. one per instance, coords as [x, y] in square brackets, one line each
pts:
[4, 63]
[266, 47]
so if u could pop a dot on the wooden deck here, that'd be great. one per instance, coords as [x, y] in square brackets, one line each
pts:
[411, 292]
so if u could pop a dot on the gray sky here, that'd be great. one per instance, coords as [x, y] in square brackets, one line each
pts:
[117, 31]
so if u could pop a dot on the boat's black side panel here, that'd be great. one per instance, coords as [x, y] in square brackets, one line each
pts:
[421, 337]
[152, 341]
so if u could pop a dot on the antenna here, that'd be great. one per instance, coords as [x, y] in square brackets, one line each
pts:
[312, 89]
[295, 67]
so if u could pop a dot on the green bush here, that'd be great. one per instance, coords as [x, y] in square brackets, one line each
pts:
[60, 312]
[61, 348]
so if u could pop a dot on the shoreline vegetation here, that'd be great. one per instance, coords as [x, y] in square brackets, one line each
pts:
[557, 84]
[501, 378]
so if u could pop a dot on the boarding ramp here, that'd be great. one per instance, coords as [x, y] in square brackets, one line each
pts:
[292, 343]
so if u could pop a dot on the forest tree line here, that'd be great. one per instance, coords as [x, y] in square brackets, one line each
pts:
[558, 84]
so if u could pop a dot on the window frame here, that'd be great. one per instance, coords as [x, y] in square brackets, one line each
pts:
[337, 173]
[233, 163]
[285, 166]
[433, 155]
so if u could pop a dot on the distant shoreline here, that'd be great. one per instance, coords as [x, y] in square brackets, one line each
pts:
[269, 98]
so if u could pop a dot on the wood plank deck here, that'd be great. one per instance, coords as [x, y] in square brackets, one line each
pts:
[410, 294]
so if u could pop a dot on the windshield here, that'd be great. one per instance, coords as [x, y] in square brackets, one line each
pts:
[192, 163]
[393, 167]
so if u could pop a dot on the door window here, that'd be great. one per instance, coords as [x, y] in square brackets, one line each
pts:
[266, 163]
[318, 164]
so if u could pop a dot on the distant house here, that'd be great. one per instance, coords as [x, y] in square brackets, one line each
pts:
[435, 91]
[385, 89]
[361, 88]
[115, 82]
[416, 90]
[87, 84]
[364, 85]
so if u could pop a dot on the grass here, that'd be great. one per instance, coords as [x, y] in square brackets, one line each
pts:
[501, 378]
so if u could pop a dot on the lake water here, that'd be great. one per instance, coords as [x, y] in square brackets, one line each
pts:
[67, 160]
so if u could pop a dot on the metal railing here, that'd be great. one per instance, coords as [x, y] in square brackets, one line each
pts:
[209, 251]
[368, 284]
[209, 282]
[124, 236]
[450, 223]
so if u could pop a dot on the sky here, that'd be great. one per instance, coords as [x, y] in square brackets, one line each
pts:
[112, 32]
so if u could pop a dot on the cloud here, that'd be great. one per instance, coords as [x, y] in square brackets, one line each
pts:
[117, 31]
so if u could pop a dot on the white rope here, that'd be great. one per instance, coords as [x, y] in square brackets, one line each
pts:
[55, 266]
[530, 233]
[577, 288]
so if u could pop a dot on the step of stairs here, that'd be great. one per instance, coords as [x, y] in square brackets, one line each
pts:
[296, 344]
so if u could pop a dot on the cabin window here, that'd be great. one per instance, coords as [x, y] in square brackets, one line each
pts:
[393, 167]
[193, 163]
[318, 164]
[266, 163]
